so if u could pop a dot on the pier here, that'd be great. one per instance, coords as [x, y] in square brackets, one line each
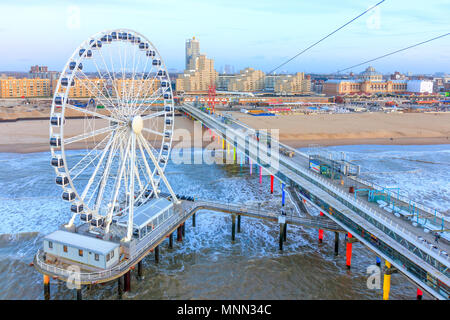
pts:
[403, 243]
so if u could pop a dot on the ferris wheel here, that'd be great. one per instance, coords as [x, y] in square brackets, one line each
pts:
[111, 127]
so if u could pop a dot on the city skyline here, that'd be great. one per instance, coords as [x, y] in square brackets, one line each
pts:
[264, 35]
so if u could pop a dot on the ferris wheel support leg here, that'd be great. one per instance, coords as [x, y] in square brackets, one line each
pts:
[161, 173]
[117, 187]
[131, 200]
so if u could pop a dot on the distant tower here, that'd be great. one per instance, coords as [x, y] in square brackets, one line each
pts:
[192, 52]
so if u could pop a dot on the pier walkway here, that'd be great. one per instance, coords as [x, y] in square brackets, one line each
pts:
[407, 247]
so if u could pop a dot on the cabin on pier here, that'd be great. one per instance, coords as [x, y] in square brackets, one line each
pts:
[74, 247]
[148, 217]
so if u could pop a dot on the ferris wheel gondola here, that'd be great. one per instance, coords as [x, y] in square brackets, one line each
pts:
[110, 153]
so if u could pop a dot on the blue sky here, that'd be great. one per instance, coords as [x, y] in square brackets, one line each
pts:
[260, 34]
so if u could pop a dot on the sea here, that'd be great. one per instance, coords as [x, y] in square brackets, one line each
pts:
[207, 265]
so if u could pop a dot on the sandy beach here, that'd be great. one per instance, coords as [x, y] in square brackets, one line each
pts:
[355, 128]
[24, 136]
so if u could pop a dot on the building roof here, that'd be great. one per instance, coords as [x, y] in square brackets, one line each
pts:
[82, 242]
[341, 80]
[143, 214]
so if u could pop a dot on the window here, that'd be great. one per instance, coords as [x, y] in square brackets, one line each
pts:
[96, 257]
[80, 252]
[107, 257]
[112, 254]
[50, 245]
[65, 248]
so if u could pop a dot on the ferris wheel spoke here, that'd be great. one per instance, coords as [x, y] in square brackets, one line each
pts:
[136, 174]
[111, 104]
[153, 115]
[95, 114]
[143, 81]
[91, 134]
[153, 132]
[112, 77]
[104, 178]
[149, 171]
[97, 167]
[158, 92]
[88, 155]
[156, 164]
[130, 92]
[148, 88]
[161, 93]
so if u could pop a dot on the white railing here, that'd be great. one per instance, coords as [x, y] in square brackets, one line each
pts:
[124, 265]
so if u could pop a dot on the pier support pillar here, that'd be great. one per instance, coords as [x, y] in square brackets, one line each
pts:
[285, 232]
[233, 227]
[239, 224]
[140, 276]
[419, 294]
[46, 287]
[171, 241]
[349, 252]
[179, 234]
[280, 242]
[271, 184]
[157, 254]
[183, 230]
[336, 243]
[250, 165]
[79, 294]
[193, 220]
[387, 281]
[321, 230]
[127, 281]
[119, 286]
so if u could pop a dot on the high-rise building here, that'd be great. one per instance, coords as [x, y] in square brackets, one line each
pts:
[249, 80]
[192, 52]
[200, 77]
[199, 73]
[293, 84]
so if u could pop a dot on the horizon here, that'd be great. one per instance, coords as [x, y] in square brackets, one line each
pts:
[251, 43]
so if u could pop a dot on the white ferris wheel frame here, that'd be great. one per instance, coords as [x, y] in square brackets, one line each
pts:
[121, 126]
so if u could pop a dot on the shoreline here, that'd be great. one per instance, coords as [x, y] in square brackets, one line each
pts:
[296, 131]
[24, 148]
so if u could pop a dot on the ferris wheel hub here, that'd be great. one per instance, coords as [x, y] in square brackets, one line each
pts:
[137, 124]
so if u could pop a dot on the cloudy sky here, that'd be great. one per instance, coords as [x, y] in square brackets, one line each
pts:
[260, 33]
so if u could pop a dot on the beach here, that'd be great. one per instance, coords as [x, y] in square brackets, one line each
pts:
[355, 128]
[30, 133]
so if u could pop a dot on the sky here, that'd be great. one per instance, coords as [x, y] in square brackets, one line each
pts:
[260, 34]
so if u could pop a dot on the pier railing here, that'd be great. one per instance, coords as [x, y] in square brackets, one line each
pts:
[123, 266]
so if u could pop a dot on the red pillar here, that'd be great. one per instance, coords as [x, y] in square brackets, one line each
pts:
[349, 251]
[419, 294]
[320, 230]
[271, 184]
[260, 175]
